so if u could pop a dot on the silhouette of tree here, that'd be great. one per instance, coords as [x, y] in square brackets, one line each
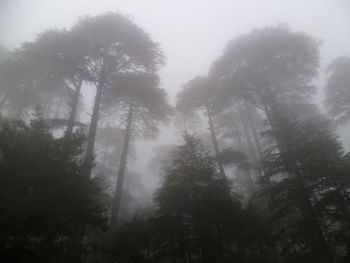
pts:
[315, 189]
[273, 67]
[112, 45]
[45, 193]
[193, 204]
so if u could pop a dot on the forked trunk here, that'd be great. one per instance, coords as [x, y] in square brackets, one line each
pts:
[89, 155]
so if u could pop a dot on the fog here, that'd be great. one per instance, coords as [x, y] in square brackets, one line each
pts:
[134, 134]
[191, 33]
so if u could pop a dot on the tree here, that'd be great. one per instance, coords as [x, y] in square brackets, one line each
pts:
[42, 72]
[194, 204]
[317, 190]
[196, 218]
[199, 94]
[57, 57]
[240, 123]
[146, 106]
[44, 196]
[273, 67]
[112, 45]
[269, 64]
[338, 89]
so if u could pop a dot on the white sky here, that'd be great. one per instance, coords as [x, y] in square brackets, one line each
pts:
[191, 33]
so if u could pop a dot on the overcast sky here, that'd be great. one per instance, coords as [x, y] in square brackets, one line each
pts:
[192, 33]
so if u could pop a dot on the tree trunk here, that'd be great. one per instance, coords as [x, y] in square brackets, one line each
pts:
[76, 247]
[89, 155]
[241, 148]
[253, 128]
[247, 136]
[122, 167]
[73, 111]
[215, 142]
[235, 132]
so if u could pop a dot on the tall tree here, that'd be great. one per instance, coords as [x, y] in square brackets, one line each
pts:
[112, 45]
[320, 176]
[275, 66]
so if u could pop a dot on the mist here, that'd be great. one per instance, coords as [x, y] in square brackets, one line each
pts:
[174, 131]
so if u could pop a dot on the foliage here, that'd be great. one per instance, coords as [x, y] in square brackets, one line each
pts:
[268, 62]
[45, 193]
[194, 205]
[321, 175]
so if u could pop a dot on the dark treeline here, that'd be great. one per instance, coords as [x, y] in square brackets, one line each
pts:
[260, 176]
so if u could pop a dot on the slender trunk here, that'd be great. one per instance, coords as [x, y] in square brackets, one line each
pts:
[89, 155]
[251, 149]
[73, 111]
[253, 128]
[247, 136]
[247, 171]
[215, 142]
[259, 171]
[235, 132]
[122, 167]
[76, 247]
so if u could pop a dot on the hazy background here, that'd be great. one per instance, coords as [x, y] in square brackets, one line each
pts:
[191, 33]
